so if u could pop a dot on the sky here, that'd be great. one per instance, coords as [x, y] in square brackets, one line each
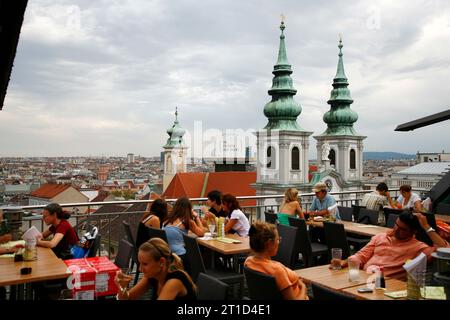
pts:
[103, 78]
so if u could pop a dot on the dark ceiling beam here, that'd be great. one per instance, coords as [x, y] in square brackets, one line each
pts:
[11, 18]
[423, 122]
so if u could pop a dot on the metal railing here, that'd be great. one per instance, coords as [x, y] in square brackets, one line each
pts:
[110, 224]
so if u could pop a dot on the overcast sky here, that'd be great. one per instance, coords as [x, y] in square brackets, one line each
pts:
[103, 77]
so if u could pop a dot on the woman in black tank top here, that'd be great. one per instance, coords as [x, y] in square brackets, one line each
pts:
[162, 272]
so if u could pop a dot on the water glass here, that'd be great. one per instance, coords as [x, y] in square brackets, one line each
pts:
[124, 277]
[353, 269]
[336, 256]
[212, 228]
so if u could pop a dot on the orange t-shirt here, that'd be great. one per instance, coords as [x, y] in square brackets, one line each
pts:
[284, 276]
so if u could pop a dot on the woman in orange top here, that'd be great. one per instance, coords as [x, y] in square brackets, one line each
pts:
[264, 241]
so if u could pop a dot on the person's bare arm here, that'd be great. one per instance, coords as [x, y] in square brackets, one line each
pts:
[230, 224]
[434, 236]
[52, 243]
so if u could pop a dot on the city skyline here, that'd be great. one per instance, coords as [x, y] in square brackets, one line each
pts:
[104, 78]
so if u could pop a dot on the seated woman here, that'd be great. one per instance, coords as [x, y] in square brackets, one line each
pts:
[290, 207]
[64, 236]
[162, 272]
[152, 218]
[409, 199]
[237, 221]
[182, 220]
[264, 241]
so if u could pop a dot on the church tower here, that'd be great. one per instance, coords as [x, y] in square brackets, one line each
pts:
[282, 159]
[174, 152]
[340, 147]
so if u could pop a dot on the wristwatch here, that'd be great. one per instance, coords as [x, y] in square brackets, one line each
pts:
[430, 229]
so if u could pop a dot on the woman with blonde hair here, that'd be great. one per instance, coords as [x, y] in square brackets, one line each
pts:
[290, 207]
[264, 242]
[162, 272]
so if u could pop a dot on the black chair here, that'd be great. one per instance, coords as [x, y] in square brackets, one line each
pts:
[146, 233]
[271, 217]
[134, 256]
[336, 237]
[261, 286]
[210, 288]
[422, 235]
[356, 209]
[93, 250]
[346, 213]
[197, 266]
[124, 253]
[392, 218]
[443, 208]
[285, 252]
[303, 245]
[323, 293]
[388, 211]
[368, 216]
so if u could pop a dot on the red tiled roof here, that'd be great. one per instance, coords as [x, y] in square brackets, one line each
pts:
[186, 184]
[102, 195]
[235, 182]
[49, 190]
[190, 184]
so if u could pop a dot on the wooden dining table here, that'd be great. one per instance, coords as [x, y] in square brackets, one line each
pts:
[332, 279]
[47, 267]
[355, 228]
[338, 280]
[241, 245]
[377, 294]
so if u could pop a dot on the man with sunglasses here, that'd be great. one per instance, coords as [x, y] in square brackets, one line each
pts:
[392, 249]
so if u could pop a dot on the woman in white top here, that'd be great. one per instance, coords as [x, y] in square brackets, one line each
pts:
[409, 199]
[237, 221]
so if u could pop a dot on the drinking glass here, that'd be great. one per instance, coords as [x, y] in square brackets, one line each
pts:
[212, 228]
[336, 254]
[353, 269]
[124, 277]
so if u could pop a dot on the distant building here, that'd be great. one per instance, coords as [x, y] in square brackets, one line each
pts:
[130, 158]
[433, 157]
[175, 153]
[424, 175]
[102, 173]
[59, 193]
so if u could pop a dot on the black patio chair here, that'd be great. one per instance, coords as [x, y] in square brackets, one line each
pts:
[303, 245]
[210, 288]
[346, 213]
[124, 253]
[368, 216]
[271, 217]
[392, 219]
[134, 256]
[336, 237]
[261, 286]
[285, 254]
[197, 266]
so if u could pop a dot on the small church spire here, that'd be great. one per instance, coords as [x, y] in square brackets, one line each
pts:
[340, 117]
[282, 111]
[175, 133]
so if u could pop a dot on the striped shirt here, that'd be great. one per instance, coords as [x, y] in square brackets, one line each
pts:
[375, 201]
